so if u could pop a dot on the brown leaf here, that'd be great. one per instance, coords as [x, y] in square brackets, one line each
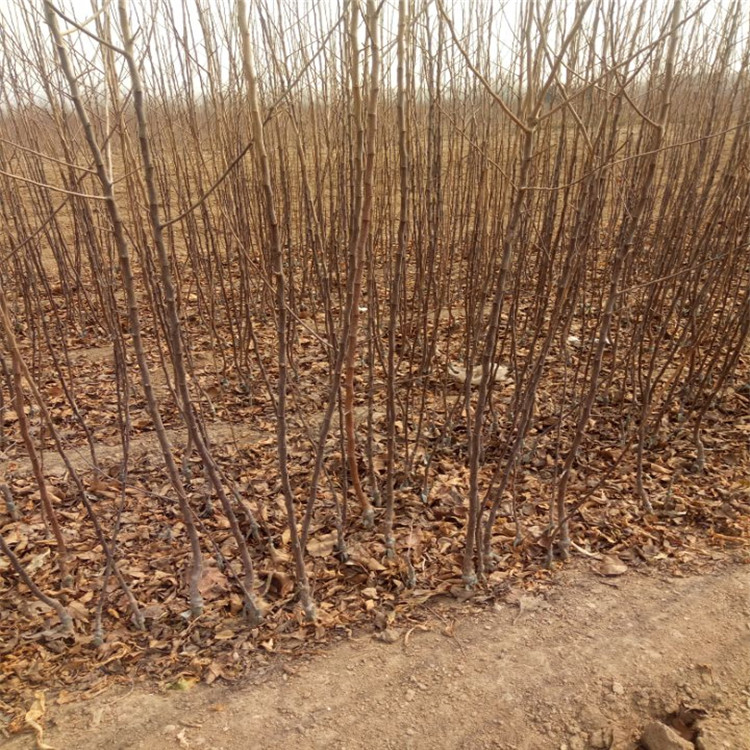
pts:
[390, 635]
[612, 566]
[282, 583]
[213, 583]
[32, 717]
[322, 546]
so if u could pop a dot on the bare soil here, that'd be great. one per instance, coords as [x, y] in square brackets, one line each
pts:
[583, 664]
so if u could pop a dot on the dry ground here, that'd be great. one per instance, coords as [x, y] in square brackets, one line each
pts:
[583, 664]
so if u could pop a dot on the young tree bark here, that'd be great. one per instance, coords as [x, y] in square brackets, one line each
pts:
[396, 290]
[128, 279]
[364, 146]
[277, 260]
[174, 332]
[622, 253]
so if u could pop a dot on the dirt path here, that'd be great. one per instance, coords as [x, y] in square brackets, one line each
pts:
[585, 665]
[110, 454]
[145, 443]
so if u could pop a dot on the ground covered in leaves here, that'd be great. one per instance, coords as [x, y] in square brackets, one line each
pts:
[696, 514]
[600, 655]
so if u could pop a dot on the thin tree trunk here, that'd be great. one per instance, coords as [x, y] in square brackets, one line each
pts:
[360, 237]
[277, 259]
[397, 282]
[126, 270]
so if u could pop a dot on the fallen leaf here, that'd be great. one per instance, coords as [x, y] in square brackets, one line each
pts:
[612, 566]
[183, 683]
[283, 583]
[32, 717]
[390, 635]
[322, 546]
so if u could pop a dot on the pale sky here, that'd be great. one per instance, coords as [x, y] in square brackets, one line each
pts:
[175, 40]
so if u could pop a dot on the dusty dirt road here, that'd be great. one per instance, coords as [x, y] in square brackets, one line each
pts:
[585, 664]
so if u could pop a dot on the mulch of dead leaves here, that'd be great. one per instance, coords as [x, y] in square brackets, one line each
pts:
[694, 515]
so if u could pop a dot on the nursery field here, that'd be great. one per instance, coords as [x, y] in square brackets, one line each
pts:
[339, 321]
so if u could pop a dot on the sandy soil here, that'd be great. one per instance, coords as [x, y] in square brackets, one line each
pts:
[586, 663]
